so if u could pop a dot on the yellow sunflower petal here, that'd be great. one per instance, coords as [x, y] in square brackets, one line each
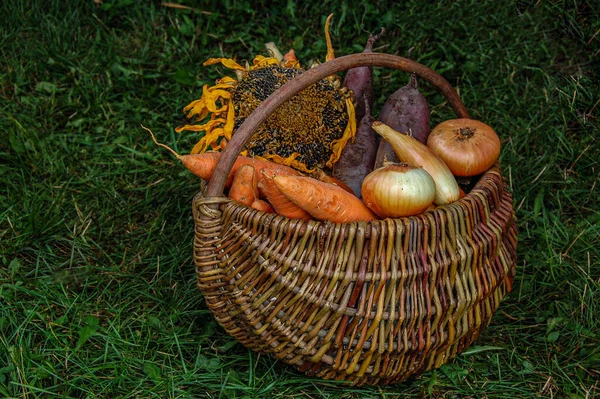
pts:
[229, 125]
[338, 145]
[227, 80]
[201, 128]
[189, 128]
[209, 138]
[219, 93]
[214, 146]
[200, 115]
[330, 53]
[221, 85]
[212, 107]
[208, 102]
[227, 62]
[211, 97]
[195, 103]
[196, 108]
[220, 112]
[213, 123]
[198, 147]
[261, 61]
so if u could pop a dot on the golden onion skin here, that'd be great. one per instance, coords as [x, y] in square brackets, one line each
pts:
[468, 147]
[398, 190]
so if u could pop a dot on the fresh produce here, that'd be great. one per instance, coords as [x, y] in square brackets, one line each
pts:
[323, 201]
[398, 190]
[319, 174]
[358, 158]
[309, 130]
[405, 111]
[360, 81]
[281, 203]
[469, 147]
[203, 165]
[268, 183]
[244, 188]
[411, 151]
[262, 205]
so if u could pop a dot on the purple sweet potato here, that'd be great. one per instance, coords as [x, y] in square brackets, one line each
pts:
[358, 157]
[360, 80]
[405, 111]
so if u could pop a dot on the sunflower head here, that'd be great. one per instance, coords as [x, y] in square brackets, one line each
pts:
[308, 131]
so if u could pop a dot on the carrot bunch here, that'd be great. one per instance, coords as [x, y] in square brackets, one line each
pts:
[287, 193]
[271, 187]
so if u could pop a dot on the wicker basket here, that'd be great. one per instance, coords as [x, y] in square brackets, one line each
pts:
[370, 303]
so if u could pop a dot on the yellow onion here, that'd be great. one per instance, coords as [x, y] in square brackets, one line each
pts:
[397, 190]
[469, 147]
[414, 152]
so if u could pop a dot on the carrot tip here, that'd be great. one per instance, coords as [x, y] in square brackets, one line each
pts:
[161, 144]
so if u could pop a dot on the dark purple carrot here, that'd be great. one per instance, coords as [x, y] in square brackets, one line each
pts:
[360, 80]
[357, 159]
[405, 111]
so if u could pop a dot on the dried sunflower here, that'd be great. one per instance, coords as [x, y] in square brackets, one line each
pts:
[309, 131]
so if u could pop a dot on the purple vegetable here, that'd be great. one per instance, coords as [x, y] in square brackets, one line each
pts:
[405, 111]
[360, 80]
[357, 158]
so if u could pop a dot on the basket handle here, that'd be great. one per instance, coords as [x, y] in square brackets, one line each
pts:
[216, 185]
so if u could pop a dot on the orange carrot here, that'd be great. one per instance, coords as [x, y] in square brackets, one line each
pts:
[319, 174]
[262, 205]
[203, 165]
[280, 203]
[244, 188]
[323, 201]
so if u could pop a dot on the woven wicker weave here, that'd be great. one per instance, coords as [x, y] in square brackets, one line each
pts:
[370, 303]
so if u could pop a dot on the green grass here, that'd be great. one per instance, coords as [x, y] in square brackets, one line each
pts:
[97, 285]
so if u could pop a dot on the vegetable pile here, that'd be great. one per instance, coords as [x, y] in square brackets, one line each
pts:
[394, 166]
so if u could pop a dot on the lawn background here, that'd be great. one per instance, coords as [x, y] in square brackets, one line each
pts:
[97, 289]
